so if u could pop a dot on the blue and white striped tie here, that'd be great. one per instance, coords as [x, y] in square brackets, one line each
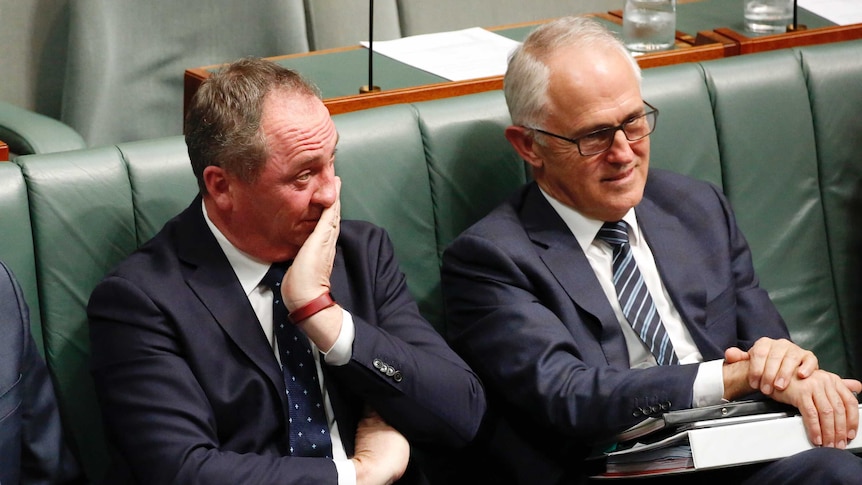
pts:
[634, 297]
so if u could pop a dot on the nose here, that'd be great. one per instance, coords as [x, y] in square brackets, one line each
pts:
[621, 149]
[326, 192]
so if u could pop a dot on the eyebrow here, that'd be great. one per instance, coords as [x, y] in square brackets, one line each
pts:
[600, 127]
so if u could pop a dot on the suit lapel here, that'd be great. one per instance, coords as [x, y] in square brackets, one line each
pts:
[213, 280]
[677, 260]
[563, 257]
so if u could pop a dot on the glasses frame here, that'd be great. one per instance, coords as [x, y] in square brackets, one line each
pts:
[611, 129]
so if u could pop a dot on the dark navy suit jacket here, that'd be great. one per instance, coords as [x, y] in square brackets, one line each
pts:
[527, 313]
[31, 438]
[190, 388]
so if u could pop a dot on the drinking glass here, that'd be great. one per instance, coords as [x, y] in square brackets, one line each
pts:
[649, 25]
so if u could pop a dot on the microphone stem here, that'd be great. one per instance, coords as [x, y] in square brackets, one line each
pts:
[371, 42]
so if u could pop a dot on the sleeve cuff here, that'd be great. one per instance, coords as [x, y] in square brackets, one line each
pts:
[342, 350]
[346, 472]
[708, 384]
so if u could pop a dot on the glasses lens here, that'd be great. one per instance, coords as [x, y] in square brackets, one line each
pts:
[596, 142]
[640, 127]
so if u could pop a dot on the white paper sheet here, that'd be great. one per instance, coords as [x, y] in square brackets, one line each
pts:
[842, 12]
[458, 55]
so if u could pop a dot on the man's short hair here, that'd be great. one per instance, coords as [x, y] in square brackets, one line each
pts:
[222, 126]
[526, 82]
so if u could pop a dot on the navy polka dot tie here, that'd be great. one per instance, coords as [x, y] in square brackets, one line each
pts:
[634, 297]
[308, 428]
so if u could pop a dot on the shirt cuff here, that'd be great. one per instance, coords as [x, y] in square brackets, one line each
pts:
[342, 349]
[708, 384]
[346, 472]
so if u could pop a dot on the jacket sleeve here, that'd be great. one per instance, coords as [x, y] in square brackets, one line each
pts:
[400, 364]
[34, 420]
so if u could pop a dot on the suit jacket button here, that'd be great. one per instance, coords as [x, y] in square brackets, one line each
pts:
[390, 371]
[377, 363]
[397, 377]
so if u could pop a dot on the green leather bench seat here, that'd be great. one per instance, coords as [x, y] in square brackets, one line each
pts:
[778, 132]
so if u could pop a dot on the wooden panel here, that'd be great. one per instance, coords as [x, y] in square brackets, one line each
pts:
[799, 38]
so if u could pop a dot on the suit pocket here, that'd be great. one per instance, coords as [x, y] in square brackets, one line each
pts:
[721, 310]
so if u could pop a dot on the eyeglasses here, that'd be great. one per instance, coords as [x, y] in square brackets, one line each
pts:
[600, 141]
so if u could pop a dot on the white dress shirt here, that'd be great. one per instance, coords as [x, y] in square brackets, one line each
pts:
[250, 272]
[709, 384]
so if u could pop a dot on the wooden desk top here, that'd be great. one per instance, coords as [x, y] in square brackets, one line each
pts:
[404, 83]
[340, 72]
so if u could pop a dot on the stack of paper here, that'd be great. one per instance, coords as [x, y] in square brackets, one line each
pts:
[842, 12]
[457, 56]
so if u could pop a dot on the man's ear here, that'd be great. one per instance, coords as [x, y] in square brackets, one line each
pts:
[523, 142]
[218, 185]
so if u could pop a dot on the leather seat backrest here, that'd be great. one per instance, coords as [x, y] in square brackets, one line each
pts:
[83, 224]
[685, 139]
[442, 15]
[162, 182]
[471, 167]
[381, 162]
[833, 74]
[125, 65]
[340, 23]
[771, 176]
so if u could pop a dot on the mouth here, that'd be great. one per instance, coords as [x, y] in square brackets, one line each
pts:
[625, 175]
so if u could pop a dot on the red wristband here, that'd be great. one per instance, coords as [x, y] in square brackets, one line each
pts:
[322, 302]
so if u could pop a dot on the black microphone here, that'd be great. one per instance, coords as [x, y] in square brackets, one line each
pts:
[370, 88]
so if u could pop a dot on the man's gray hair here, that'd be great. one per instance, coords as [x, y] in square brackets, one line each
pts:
[526, 82]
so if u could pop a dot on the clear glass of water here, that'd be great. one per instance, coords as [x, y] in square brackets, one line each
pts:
[768, 16]
[649, 25]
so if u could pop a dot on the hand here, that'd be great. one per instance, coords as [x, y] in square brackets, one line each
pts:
[773, 363]
[381, 451]
[308, 276]
[828, 406]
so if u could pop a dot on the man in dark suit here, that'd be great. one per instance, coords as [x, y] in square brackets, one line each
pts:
[31, 436]
[187, 352]
[540, 293]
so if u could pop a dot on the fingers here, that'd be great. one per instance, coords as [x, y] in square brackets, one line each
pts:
[811, 421]
[381, 452]
[851, 403]
[774, 363]
[828, 407]
[308, 276]
[734, 355]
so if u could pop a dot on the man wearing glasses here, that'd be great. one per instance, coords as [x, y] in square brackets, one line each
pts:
[604, 292]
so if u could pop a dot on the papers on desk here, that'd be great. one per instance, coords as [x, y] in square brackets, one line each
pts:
[457, 56]
[842, 12]
[713, 443]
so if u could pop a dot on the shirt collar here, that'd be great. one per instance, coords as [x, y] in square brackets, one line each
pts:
[250, 271]
[584, 228]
